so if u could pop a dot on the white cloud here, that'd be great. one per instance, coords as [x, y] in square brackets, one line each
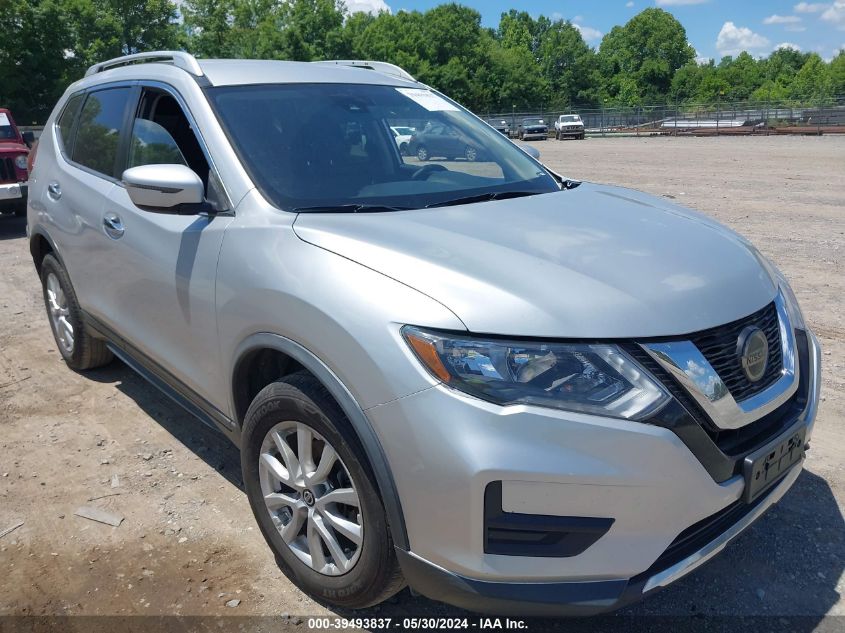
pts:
[367, 6]
[734, 39]
[811, 7]
[781, 19]
[629, 4]
[678, 3]
[787, 46]
[588, 33]
[835, 14]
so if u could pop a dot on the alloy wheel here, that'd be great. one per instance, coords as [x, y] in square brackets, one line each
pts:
[311, 498]
[59, 313]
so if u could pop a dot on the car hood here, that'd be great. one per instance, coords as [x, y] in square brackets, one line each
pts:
[10, 147]
[591, 262]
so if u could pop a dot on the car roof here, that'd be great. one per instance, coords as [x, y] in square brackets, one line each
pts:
[227, 72]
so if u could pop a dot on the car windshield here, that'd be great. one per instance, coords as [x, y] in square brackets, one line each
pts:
[533, 122]
[330, 147]
[571, 118]
[7, 132]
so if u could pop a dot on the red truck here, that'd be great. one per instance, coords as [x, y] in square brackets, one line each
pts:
[14, 153]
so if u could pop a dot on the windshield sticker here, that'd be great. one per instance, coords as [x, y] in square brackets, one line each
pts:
[4, 120]
[427, 99]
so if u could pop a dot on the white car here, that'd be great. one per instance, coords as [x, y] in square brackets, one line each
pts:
[569, 125]
[403, 137]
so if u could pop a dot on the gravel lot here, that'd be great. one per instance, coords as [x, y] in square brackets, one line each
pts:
[188, 543]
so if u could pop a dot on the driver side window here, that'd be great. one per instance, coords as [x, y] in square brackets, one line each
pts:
[162, 134]
[151, 144]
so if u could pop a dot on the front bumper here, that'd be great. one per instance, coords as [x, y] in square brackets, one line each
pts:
[527, 136]
[451, 447]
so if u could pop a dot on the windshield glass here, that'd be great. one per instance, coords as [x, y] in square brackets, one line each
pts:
[533, 122]
[7, 132]
[331, 147]
[571, 118]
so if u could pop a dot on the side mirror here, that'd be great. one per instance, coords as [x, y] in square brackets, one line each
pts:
[532, 151]
[163, 188]
[28, 138]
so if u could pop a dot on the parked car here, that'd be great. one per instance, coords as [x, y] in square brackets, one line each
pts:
[403, 136]
[533, 128]
[442, 140]
[14, 154]
[569, 126]
[512, 392]
[500, 125]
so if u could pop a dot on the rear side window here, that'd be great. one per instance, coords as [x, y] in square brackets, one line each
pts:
[98, 130]
[66, 121]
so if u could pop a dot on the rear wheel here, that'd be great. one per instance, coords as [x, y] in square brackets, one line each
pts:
[312, 493]
[78, 348]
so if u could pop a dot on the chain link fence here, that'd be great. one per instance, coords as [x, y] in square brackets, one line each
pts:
[814, 117]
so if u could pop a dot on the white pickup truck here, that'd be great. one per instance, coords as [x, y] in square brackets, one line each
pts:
[569, 125]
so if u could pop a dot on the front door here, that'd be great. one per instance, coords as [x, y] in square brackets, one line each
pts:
[161, 272]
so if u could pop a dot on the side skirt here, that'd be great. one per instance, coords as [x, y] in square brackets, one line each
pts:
[164, 381]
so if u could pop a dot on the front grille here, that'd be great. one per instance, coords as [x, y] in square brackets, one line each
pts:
[7, 170]
[719, 347]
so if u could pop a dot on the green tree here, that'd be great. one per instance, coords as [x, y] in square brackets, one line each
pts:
[35, 45]
[639, 60]
[813, 82]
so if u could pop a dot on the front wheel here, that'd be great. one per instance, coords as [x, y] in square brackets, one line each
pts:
[422, 153]
[312, 494]
[470, 153]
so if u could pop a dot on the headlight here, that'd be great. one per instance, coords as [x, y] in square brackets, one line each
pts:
[599, 379]
[20, 161]
[796, 317]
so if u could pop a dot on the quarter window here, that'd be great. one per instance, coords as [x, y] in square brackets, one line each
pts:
[99, 127]
[66, 121]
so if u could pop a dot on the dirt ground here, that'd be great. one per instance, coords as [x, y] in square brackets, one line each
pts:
[188, 544]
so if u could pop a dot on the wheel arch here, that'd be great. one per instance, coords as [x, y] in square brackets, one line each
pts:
[41, 245]
[296, 357]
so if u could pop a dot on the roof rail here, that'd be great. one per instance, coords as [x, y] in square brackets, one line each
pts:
[180, 59]
[382, 67]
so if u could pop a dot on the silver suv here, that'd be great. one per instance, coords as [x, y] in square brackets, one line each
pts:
[510, 391]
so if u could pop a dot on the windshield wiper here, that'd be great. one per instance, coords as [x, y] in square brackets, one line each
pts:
[483, 197]
[349, 208]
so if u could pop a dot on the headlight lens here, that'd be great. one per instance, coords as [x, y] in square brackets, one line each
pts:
[20, 161]
[599, 379]
[796, 317]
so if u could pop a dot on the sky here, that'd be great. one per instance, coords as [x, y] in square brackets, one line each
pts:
[714, 27]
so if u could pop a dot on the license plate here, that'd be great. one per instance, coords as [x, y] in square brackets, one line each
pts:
[10, 192]
[765, 467]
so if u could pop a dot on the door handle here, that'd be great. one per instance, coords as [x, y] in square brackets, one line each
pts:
[113, 225]
[54, 190]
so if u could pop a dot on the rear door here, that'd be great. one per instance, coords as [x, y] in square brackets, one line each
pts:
[87, 147]
[161, 267]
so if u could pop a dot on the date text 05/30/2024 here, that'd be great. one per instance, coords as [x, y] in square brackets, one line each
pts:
[480, 624]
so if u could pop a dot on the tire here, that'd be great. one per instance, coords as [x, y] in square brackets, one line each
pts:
[82, 351]
[422, 153]
[470, 153]
[403, 149]
[557, 136]
[373, 574]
